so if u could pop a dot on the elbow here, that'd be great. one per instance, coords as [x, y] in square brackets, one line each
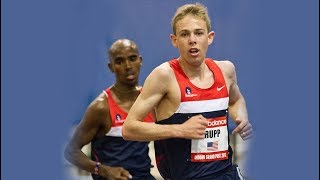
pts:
[68, 153]
[126, 132]
[125, 135]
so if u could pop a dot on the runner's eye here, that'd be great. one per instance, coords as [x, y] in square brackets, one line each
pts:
[118, 61]
[133, 58]
[184, 34]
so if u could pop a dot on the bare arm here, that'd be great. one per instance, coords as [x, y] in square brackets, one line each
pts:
[237, 105]
[96, 120]
[84, 133]
[156, 87]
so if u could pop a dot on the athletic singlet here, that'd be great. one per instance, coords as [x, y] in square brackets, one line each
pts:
[113, 150]
[179, 158]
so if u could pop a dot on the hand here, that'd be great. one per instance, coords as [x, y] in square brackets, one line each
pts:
[114, 173]
[244, 128]
[195, 127]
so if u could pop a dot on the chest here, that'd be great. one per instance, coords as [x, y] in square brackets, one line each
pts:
[125, 105]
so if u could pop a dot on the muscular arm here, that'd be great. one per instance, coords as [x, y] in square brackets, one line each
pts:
[96, 122]
[94, 117]
[156, 87]
[237, 105]
[153, 91]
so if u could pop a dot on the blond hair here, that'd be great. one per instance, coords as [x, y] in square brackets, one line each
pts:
[198, 10]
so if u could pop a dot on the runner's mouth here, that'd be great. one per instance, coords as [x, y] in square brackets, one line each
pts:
[194, 51]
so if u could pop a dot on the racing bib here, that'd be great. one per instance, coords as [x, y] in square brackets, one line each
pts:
[215, 144]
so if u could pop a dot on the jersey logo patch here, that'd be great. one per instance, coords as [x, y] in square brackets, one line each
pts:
[188, 92]
[119, 119]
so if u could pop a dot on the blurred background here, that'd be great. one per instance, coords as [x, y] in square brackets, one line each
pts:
[54, 62]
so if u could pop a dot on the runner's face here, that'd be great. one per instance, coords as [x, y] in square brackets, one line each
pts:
[126, 64]
[192, 39]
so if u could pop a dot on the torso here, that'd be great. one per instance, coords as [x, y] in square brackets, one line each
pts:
[110, 148]
[196, 159]
[170, 102]
[125, 103]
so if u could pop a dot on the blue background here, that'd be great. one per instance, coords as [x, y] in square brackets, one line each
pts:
[54, 62]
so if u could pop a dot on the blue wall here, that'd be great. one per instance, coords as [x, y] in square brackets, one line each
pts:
[54, 63]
